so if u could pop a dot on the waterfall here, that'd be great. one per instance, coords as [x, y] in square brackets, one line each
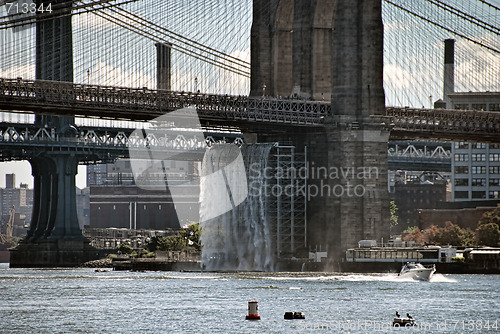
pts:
[236, 233]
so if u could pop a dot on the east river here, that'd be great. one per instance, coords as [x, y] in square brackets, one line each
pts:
[85, 301]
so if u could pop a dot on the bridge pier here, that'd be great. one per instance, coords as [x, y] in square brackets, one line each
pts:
[54, 238]
[347, 183]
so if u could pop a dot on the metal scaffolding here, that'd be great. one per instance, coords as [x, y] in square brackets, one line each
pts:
[288, 204]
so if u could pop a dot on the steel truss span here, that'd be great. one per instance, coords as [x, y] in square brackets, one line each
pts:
[93, 144]
[466, 125]
[66, 98]
[255, 113]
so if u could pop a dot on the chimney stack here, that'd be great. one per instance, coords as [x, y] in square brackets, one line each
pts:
[163, 65]
[449, 71]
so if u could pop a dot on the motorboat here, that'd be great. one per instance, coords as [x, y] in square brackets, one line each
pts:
[398, 322]
[417, 271]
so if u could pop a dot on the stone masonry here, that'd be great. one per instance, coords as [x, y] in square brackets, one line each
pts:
[332, 48]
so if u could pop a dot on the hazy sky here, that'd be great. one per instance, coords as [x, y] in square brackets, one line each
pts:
[22, 169]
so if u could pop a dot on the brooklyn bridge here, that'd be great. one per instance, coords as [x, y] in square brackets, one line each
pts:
[315, 80]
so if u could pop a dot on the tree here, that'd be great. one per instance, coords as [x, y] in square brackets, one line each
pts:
[431, 234]
[394, 218]
[488, 234]
[413, 234]
[451, 234]
[125, 248]
[185, 239]
[492, 216]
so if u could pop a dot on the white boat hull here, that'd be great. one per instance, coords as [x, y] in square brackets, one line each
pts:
[417, 272]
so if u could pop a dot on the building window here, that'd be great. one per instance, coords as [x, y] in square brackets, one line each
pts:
[478, 106]
[494, 156]
[461, 194]
[494, 169]
[480, 145]
[461, 145]
[478, 169]
[478, 157]
[461, 157]
[461, 182]
[493, 194]
[478, 182]
[461, 170]
[494, 183]
[462, 106]
[478, 194]
[494, 107]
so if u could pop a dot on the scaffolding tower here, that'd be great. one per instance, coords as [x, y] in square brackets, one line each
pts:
[288, 205]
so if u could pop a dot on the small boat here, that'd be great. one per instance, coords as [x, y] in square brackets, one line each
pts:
[397, 322]
[417, 271]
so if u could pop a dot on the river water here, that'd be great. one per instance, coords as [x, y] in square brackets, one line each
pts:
[85, 301]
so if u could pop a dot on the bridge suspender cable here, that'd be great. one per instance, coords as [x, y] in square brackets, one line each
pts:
[489, 4]
[443, 27]
[188, 41]
[181, 49]
[57, 13]
[465, 16]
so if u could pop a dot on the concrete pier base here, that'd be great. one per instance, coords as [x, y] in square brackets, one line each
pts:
[53, 253]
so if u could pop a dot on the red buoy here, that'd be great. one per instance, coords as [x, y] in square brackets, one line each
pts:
[253, 311]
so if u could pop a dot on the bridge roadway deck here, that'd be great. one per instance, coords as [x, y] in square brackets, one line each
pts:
[98, 144]
[249, 113]
[20, 141]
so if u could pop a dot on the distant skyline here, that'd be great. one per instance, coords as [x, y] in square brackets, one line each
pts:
[22, 169]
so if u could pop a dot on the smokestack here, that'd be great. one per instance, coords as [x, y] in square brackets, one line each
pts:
[163, 65]
[449, 71]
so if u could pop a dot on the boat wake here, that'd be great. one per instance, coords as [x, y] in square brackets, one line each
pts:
[442, 279]
[389, 277]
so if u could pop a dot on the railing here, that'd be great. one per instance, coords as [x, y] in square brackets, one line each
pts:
[445, 121]
[65, 98]
[30, 139]
[134, 103]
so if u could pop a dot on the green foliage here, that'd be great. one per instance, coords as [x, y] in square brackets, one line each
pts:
[488, 228]
[171, 243]
[125, 248]
[185, 239]
[450, 234]
[11, 243]
[147, 254]
[411, 229]
[488, 234]
[492, 216]
[413, 233]
[393, 209]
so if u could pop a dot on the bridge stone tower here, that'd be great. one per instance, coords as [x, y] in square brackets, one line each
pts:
[291, 48]
[331, 48]
[54, 237]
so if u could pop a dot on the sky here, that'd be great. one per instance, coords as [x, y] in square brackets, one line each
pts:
[22, 169]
